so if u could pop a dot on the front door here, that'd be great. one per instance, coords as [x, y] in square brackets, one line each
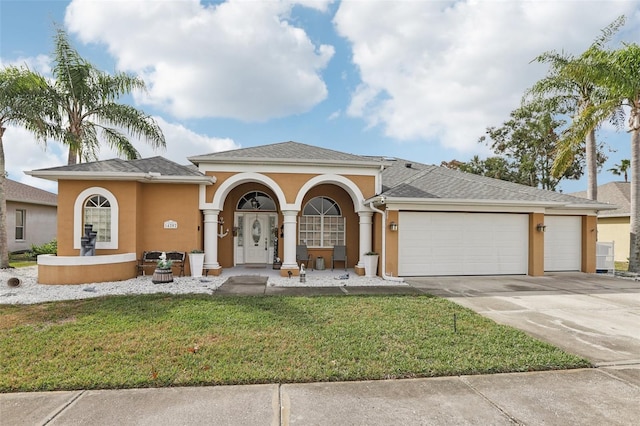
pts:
[256, 238]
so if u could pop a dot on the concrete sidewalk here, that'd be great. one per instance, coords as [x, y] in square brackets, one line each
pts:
[579, 397]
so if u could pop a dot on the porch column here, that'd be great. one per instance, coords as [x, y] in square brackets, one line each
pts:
[211, 241]
[366, 227]
[289, 261]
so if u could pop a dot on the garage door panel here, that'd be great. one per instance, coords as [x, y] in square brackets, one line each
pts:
[433, 243]
[563, 243]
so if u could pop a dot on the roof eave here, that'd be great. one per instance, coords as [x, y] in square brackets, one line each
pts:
[197, 160]
[118, 176]
[507, 203]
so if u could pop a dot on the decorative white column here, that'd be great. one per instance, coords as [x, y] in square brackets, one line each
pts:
[290, 233]
[211, 239]
[366, 227]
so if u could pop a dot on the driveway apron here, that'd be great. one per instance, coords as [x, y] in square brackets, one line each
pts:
[591, 315]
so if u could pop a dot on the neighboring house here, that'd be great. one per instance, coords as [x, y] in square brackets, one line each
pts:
[614, 225]
[255, 205]
[31, 215]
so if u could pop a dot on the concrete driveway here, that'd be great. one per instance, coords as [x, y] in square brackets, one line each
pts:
[591, 315]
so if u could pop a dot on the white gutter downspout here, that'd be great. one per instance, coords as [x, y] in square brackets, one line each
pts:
[384, 245]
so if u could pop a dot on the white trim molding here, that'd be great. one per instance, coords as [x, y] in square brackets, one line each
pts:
[78, 214]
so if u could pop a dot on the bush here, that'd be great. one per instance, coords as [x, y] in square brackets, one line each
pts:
[47, 248]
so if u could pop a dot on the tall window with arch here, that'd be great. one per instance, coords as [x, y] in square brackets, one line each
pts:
[97, 212]
[322, 223]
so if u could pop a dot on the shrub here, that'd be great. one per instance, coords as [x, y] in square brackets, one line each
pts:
[47, 248]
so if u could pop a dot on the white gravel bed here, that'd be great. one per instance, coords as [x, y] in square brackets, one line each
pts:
[30, 291]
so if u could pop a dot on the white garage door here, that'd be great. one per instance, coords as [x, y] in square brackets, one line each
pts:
[462, 244]
[563, 243]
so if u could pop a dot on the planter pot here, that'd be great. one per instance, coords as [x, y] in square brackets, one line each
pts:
[196, 263]
[370, 265]
[162, 275]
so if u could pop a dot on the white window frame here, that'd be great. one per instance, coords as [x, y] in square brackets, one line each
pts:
[322, 226]
[23, 213]
[78, 217]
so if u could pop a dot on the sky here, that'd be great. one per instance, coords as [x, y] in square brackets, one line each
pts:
[418, 80]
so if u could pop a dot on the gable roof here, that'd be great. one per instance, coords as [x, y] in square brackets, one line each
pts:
[286, 152]
[615, 193]
[407, 180]
[144, 170]
[22, 193]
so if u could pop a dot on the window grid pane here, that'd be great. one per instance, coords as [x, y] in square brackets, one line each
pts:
[317, 229]
[20, 224]
[99, 217]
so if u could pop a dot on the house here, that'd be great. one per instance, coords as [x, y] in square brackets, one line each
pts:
[31, 216]
[256, 205]
[614, 225]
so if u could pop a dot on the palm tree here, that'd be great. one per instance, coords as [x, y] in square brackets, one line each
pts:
[571, 84]
[21, 104]
[621, 169]
[622, 81]
[87, 101]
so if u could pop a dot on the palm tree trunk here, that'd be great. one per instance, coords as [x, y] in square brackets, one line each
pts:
[592, 165]
[634, 246]
[4, 243]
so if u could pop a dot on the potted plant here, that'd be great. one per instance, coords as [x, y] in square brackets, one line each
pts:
[196, 262]
[163, 272]
[371, 264]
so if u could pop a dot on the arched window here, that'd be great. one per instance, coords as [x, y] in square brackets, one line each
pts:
[256, 200]
[99, 207]
[97, 212]
[322, 224]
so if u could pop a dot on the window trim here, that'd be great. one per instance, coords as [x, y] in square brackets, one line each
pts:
[78, 217]
[322, 217]
[23, 226]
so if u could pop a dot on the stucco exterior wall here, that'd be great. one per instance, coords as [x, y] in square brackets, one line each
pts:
[40, 225]
[589, 235]
[142, 211]
[615, 229]
[536, 245]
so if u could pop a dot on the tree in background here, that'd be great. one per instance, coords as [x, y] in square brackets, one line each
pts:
[572, 83]
[525, 148]
[21, 104]
[87, 101]
[621, 169]
[620, 76]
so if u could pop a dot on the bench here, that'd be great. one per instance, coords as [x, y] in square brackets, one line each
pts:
[150, 260]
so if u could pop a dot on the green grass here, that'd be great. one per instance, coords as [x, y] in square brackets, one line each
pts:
[621, 266]
[161, 340]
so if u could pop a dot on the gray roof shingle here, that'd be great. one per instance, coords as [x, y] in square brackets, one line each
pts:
[144, 165]
[285, 152]
[425, 181]
[614, 193]
[22, 193]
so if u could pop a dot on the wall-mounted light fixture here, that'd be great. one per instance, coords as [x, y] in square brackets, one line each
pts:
[393, 226]
[541, 227]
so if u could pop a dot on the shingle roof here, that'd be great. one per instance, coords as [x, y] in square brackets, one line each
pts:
[425, 181]
[145, 165]
[19, 192]
[615, 193]
[285, 152]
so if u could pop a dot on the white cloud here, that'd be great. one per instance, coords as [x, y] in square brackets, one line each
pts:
[40, 64]
[24, 153]
[238, 59]
[444, 71]
[181, 144]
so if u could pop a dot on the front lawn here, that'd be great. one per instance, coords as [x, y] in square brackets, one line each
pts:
[162, 340]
